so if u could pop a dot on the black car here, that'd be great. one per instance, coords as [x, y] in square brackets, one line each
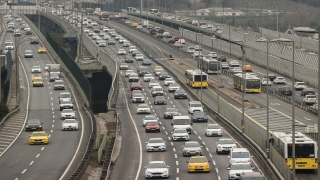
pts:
[180, 94]
[146, 62]
[34, 40]
[222, 59]
[168, 113]
[198, 116]
[96, 30]
[286, 90]
[142, 72]
[271, 76]
[163, 75]
[128, 59]
[111, 43]
[160, 100]
[34, 125]
[308, 91]
[171, 41]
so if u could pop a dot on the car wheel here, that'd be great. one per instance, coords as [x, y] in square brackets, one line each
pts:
[217, 151]
[146, 131]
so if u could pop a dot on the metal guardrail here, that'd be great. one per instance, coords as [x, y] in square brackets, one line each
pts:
[260, 154]
[77, 173]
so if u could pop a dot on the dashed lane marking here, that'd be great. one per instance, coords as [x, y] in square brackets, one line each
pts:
[31, 163]
[23, 171]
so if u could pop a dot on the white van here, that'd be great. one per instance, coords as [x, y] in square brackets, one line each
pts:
[182, 122]
[240, 155]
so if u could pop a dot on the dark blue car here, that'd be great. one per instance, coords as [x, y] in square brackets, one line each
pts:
[146, 62]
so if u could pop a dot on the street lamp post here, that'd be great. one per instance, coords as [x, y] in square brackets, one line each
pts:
[229, 35]
[309, 30]
[293, 109]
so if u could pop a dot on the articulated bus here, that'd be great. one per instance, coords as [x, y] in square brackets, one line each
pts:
[104, 16]
[193, 78]
[305, 150]
[252, 83]
[210, 66]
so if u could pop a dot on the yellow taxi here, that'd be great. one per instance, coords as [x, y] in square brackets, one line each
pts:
[42, 50]
[135, 24]
[198, 164]
[39, 137]
[157, 68]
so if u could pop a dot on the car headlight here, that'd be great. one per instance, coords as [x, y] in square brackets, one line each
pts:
[219, 146]
[232, 161]
[40, 126]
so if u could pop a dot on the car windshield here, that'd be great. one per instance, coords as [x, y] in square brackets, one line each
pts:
[58, 83]
[143, 106]
[148, 75]
[155, 141]
[65, 96]
[226, 141]
[124, 64]
[192, 144]
[36, 67]
[174, 85]
[156, 165]
[163, 74]
[129, 71]
[197, 113]
[158, 89]
[68, 110]
[240, 155]
[171, 110]
[154, 82]
[195, 105]
[69, 121]
[169, 79]
[138, 95]
[38, 134]
[301, 83]
[311, 96]
[180, 91]
[149, 118]
[133, 75]
[280, 77]
[160, 97]
[34, 121]
[213, 126]
[180, 131]
[66, 102]
[196, 160]
[240, 167]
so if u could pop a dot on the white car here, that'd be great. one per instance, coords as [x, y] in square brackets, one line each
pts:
[121, 40]
[86, 30]
[213, 130]
[68, 114]
[128, 72]
[94, 23]
[300, 86]
[47, 67]
[169, 81]
[36, 69]
[195, 106]
[149, 118]
[236, 169]
[180, 134]
[181, 40]
[309, 99]
[94, 37]
[102, 34]
[225, 145]
[143, 108]
[173, 87]
[131, 48]
[102, 44]
[156, 144]
[191, 50]
[105, 29]
[279, 80]
[9, 46]
[266, 81]
[122, 52]
[236, 70]
[126, 43]
[157, 169]
[139, 57]
[213, 54]
[27, 29]
[70, 124]
[153, 83]
[91, 33]
[148, 78]
[7, 42]
[106, 37]
[251, 74]
[139, 27]
[127, 21]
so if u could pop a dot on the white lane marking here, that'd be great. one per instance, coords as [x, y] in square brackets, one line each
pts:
[177, 178]
[16, 178]
[210, 154]
[42, 148]
[49, 135]
[174, 149]
[207, 149]
[172, 143]
[199, 137]
[51, 104]
[163, 127]
[51, 130]
[52, 109]
[166, 132]
[203, 143]
[219, 178]
[173, 105]
[217, 170]
[177, 170]
[169, 138]
[52, 125]
[307, 118]
[31, 163]
[51, 99]
[23, 171]
[53, 116]
[50, 92]
[53, 121]
[195, 132]
[37, 155]
[177, 163]
[214, 163]
[52, 112]
[175, 156]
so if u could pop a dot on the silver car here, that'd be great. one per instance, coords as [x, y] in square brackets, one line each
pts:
[180, 134]
[70, 124]
[191, 148]
[58, 85]
[156, 144]
[66, 105]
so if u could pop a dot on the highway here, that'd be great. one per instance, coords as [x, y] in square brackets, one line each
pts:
[60, 157]
[173, 155]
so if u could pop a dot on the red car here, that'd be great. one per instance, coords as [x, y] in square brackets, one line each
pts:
[135, 86]
[135, 92]
[176, 38]
[153, 126]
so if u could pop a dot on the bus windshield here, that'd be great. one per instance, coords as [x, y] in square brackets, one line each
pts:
[253, 84]
[214, 66]
[198, 77]
[302, 151]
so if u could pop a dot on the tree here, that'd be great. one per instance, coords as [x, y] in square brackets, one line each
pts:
[4, 110]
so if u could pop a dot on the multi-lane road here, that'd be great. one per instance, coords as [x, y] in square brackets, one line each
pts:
[60, 157]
